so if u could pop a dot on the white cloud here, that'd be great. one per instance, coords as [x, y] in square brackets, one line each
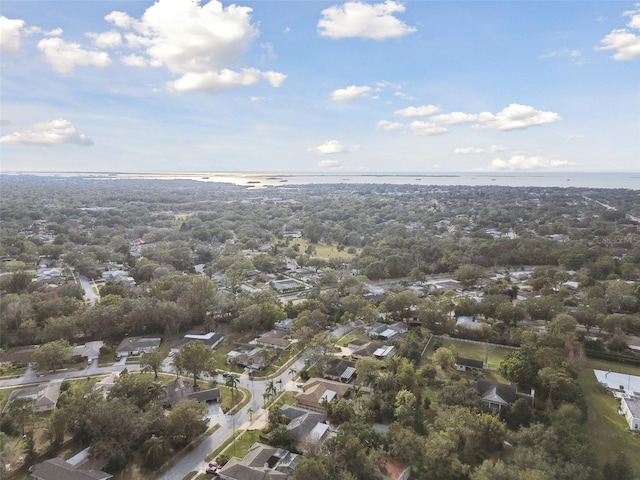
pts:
[134, 61]
[120, 19]
[422, 111]
[329, 164]
[108, 39]
[516, 116]
[333, 147]
[365, 20]
[350, 93]
[625, 43]
[10, 34]
[276, 79]
[200, 44]
[575, 55]
[426, 128]
[404, 95]
[259, 99]
[269, 52]
[56, 132]
[389, 126]
[521, 162]
[474, 150]
[454, 118]
[64, 57]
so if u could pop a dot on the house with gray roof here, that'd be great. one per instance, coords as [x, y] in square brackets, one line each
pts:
[262, 462]
[306, 425]
[58, 469]
[133, 346]
[340, 370]
[210, 339]
[496, 396]
[45, 396]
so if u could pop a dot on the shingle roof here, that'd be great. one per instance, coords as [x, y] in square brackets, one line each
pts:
[58, 469]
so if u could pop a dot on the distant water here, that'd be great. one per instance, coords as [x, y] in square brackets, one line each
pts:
[262, 179]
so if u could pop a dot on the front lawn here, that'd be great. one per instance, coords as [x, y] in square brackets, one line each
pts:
[488, 353]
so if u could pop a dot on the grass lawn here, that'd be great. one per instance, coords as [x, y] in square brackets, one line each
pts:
[608, 431]
[490, 354]
[358, 334]
[242, 444]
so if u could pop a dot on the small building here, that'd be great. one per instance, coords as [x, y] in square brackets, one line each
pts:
[468, 364]
[468, 322]
[45, 396]
[275, 339]
[496, 396]
[134, 346]
[630, 408]
[178, 391]
[245, 356]
[211, 339]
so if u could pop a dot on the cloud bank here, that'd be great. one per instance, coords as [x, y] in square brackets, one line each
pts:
[48, 134]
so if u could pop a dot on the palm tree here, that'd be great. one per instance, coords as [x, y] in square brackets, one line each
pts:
[251, 412]
[279, 381]
[155, 389]
[271, 388]
[232, 383]
[265, 396]
[155, 450]
[292, 371]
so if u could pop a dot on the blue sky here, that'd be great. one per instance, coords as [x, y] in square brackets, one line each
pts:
[315, 86]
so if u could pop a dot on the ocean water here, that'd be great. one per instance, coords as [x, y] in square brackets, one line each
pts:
[262, 179]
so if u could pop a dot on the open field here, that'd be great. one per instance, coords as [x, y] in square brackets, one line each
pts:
[608, 430]
[322, 250]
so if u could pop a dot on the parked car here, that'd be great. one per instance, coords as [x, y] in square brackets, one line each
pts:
[215, 464]
[212, 471]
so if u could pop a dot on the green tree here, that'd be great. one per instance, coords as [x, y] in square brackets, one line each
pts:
[194, 358]
[312, 468]
[51, 356]
[444, 358]
[22, 411]
[152, 361]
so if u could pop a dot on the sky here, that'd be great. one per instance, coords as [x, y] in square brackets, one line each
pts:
[319, 86]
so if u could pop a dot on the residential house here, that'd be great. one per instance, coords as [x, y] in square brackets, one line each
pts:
[284, 325]
[59, 469]
[262, 462]
[468, 364]
[340, 370]
[19, 357]
[496, 396]
[287, 285]
[630, 408]
[317, 392]
[375, 349]
[79, 467]
[45, 396]
[134, 346]
[275, 339]
[356, 343]
[385, 332]
[392, 469]
[244, 356]
[90, 351]
[307, 426]
[211, 339]
[178, 391]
